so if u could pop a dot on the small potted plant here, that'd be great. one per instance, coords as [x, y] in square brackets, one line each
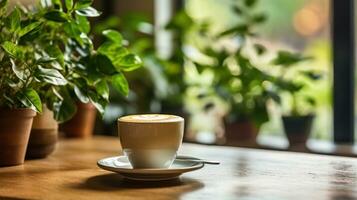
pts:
[241, 84]
[60, 22]
[22, 71]
[91, 70]
[298, 120]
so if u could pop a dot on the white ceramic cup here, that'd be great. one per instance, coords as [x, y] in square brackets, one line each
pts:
[151, 140]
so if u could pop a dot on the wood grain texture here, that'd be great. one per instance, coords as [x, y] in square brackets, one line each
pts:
[71, 173]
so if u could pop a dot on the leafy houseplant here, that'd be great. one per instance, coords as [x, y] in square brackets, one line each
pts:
[298, 120]
[47, 60]
[21, 70]
[88, 70]
[243, 85]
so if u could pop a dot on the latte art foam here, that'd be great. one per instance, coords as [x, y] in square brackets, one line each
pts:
[150, 118]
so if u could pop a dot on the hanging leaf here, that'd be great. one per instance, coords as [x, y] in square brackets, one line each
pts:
[64, 110]
[113, 35]
[30, 99]
[83, 24]
[88, 12]
[104, 64]
[82, 96]
[51, 76]
[129, 62]
[29, 28]
[12, 49]
[98, 102]
[20, 73]
[102, 89]
[120, 83]
[56, 16]
[69, 4]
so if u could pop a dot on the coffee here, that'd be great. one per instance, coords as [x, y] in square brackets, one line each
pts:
[151, 140]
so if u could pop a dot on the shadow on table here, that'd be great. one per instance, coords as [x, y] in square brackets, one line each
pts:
[108, 182]
[12, 198]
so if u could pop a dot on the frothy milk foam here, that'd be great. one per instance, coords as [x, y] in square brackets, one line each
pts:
[151, 118]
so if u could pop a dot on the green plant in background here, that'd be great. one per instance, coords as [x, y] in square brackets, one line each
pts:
[301, 104]
[148, 84]
[243, 85]
[63, 44]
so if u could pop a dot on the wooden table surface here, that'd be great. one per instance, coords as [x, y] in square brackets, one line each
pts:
[71, 173]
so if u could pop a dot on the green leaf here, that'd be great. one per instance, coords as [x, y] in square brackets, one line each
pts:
[113, 35]
[98, 102]
[29, 28]
[102, 89]
[71, 29]
[69, 4]
[51, 76]
[83, 24]
[120, 83]
[30, 99]
[14, 20]
[129, 62]
[80, 4]
[104, 64]
[65, 109]
[55, 52]
[45, 60]
[21, 73]
[56, 16]
[82, 96]
[88, 12]
[12, 49]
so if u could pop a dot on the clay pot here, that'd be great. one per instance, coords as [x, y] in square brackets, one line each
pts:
[82, 123]
[297, 129]
[241, 133]
[15, 127]
[43, 137]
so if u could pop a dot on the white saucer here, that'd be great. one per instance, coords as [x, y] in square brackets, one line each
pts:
[122, 166]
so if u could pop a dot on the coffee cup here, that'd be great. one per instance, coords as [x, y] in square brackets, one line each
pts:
[151, 140]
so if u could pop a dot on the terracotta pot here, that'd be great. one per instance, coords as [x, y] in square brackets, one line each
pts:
[242, 132]
[297, 129]
[82, 123]
[15, 127]
[43, 137]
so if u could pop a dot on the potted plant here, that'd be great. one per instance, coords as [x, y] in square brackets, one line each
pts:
[23, 69]
[297, 121]
[242, 85]
[87, 69]
[92, 72]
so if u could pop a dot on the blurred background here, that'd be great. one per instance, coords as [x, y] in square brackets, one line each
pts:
[169, 35]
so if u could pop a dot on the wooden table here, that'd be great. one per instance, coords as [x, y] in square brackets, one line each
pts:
[71, 173]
